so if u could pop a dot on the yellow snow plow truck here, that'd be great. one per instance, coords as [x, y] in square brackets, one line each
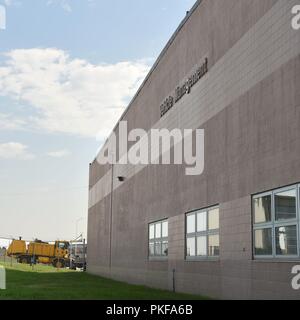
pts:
[56, 254]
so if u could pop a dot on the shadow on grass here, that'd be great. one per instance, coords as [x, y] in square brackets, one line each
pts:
[78, 286]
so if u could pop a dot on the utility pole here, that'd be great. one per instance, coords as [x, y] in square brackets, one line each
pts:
[11, 256]
[78, 220]
[111, 214]
[84, 258]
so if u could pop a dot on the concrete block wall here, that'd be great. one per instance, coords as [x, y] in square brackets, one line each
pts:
[249, 106]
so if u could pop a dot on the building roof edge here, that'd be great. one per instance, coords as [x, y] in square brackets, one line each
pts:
[157, 61]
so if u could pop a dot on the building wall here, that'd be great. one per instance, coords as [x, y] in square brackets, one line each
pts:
[249, 106]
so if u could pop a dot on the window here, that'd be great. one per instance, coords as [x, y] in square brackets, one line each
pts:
[202, 233]
[276, 223]
[158, 239]
[63, 245]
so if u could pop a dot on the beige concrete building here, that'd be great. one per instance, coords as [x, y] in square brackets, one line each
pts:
[233, 231]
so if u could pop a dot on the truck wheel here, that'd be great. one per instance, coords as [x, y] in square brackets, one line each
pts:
[24, 260]
[58, 263]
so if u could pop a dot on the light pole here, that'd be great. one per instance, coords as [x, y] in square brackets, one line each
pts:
[11, 255]
[111, 208]
[78, 220]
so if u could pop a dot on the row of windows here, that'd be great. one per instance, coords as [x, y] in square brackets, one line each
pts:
[276, 228]
[202, 235]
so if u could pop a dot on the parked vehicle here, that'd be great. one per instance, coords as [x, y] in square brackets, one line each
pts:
[56, 254]
[78, 253]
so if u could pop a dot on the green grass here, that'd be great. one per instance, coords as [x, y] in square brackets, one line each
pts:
[48, 283]
[38, 268]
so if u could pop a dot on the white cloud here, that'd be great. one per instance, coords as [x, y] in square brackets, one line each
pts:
[65, 4]
[66, 7]
[91, 3]
[59, 153]
[8, 122]
[15, 150]
[68, 95]
[9, 3]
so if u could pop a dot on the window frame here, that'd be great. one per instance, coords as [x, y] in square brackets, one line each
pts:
[205, 233]
[273, 224]
[160, 240]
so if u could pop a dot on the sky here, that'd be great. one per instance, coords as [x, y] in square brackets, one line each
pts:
[68, 69]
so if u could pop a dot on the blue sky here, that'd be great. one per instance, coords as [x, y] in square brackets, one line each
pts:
[68, 68]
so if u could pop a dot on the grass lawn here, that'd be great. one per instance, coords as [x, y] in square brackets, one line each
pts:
[46, 282]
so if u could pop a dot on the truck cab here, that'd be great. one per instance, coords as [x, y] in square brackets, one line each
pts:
[62, 249]
[78, 253]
